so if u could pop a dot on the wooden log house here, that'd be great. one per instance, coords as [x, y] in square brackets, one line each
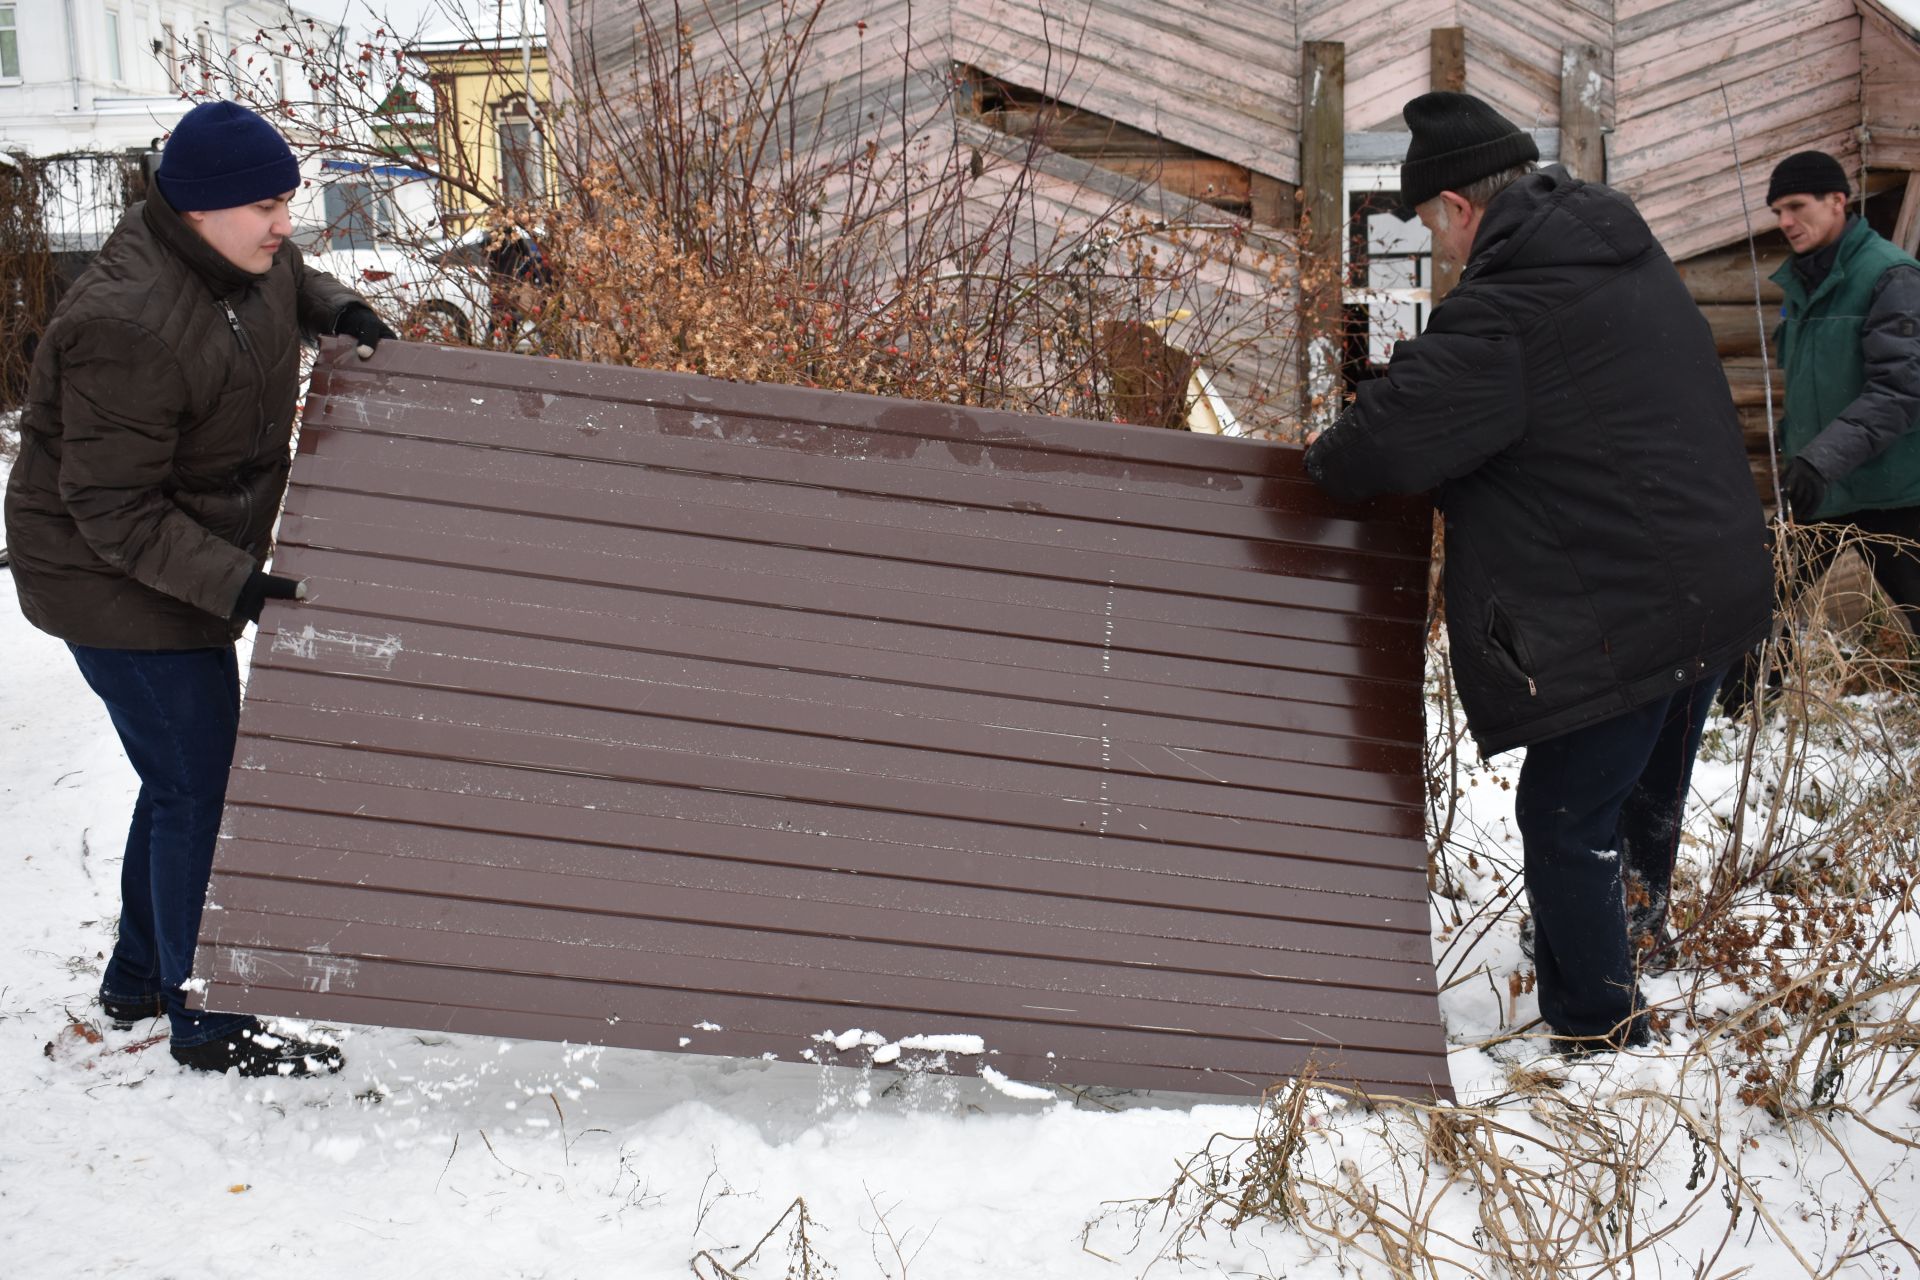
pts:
[1279, 110]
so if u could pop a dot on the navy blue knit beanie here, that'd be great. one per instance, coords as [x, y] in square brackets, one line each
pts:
[222, 155]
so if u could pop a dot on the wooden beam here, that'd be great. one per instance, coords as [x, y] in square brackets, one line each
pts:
[1736, 327]
[1274, 203]
[1448, 59]
[1582, 102]
[1906, 228]
[1323, 155]
[1726, 276]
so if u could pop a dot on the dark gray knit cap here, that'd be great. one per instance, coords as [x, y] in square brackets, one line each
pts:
[1457, 140]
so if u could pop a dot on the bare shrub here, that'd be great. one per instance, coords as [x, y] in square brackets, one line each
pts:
[1795, 1010]
[727, 206]
[720, 229]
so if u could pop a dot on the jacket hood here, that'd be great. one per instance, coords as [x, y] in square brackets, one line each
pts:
[1551, 218]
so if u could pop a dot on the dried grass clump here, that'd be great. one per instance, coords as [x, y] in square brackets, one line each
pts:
[1807, 916]
[1798, 1016]
[1536, 1184]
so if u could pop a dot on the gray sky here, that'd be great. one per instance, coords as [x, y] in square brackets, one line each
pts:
[411, 17]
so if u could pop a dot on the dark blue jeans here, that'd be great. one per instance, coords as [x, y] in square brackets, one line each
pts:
[178, 714]
[1595, 807]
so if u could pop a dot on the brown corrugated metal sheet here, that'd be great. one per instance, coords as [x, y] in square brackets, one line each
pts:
[642, 709]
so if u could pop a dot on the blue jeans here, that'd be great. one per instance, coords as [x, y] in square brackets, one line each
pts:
[1595, 807]
[177, 712]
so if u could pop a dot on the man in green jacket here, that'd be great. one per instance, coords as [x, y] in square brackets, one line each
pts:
[1850, 344]
[153, 459]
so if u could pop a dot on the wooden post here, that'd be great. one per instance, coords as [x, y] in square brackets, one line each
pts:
[1906, 228]
[1449, 60]
[1275, 203]
[1583, 90]
[1323, 159]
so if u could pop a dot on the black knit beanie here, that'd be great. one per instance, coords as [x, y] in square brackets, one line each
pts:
[1808, 173]
[1457, 140]
[222, 155]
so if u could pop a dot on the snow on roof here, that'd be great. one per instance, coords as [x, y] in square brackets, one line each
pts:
[450, 23]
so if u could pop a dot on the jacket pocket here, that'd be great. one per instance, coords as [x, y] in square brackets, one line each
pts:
[1504, 648]
[222, 512]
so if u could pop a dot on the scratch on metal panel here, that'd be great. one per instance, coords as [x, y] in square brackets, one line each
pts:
[313, 644]
[324, 971]
[251, 966]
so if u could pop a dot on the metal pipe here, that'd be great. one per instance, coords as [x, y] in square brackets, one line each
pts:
[73, 54]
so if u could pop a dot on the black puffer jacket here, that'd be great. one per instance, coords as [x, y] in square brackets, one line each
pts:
[153, 448]
[1605, 544]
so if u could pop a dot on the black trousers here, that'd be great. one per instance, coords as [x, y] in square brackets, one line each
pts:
[1895, 568]
[1594, 807]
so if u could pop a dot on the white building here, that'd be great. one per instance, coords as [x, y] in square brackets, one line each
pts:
[107, 75]
[110, 76]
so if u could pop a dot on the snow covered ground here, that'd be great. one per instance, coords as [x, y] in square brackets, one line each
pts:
[452, 1156]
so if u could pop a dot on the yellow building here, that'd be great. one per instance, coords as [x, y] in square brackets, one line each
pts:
[490, 96]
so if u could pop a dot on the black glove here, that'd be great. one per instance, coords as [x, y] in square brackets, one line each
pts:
[1805, 489]
[262, 587]
[358, 321]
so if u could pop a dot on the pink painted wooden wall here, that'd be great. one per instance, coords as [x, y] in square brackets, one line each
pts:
[1791, 74]
[1513, 51]
[1890, 83]
[1222, 76]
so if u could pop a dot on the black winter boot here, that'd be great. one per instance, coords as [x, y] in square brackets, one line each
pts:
[125, 1013]
[256, 1051]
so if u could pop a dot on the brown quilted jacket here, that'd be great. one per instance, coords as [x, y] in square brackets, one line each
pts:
[154, 443]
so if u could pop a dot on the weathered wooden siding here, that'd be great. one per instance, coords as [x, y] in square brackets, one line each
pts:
[1388, 44]
[875, 71]
[640, 709]
[1791, 73]
[1722, 283]
[1890, 89]
[1243, 324]
[1515, 48]
[1220, 76]
[1513, 52]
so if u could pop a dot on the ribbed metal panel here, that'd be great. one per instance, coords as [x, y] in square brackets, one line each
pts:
[642, 709]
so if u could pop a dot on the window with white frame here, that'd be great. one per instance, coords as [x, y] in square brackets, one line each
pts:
[522, 158]
[1388, 270]
[169, 51]
[116, 71]
[9, 44]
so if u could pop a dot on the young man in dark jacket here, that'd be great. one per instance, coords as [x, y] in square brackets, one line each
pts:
[1850, 342]
[1606, 552]
[153, 459]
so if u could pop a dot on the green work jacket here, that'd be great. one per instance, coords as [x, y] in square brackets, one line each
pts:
[1820, 345]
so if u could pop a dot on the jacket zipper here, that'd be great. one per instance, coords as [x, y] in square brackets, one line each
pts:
[233, 323]
[259, 405]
